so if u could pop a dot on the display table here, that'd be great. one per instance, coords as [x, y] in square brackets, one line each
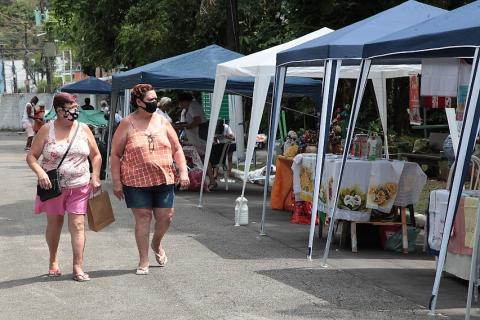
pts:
[283, 185]
[366, 185]
[459, 250]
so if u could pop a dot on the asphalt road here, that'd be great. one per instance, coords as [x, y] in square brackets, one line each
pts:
[215, 270]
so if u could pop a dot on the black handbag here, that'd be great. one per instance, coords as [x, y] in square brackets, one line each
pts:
[55, 190]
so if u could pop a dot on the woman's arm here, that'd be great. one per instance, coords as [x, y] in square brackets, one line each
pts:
[95, 157]
[118, 146]
[35, 153]
[177, 154]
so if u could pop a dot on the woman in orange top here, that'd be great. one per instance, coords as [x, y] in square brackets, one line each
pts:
[143, 149]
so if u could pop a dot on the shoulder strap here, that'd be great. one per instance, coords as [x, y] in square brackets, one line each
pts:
[68, 149]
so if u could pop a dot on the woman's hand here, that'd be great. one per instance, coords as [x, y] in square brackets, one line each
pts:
[118, 191]
[44, 181]
[184, 181]
[95, 184]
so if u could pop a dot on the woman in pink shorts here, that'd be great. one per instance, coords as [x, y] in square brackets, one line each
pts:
[52, 142]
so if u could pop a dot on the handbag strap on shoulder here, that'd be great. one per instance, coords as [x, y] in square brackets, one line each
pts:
[69, 146]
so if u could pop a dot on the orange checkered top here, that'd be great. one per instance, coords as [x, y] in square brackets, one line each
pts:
[148, 158]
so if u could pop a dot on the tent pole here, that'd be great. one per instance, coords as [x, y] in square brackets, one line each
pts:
[357, 101]
[218, 91]
[332, 68]
[280, 74]
[260, 91]
[466, 144]
[111, 121]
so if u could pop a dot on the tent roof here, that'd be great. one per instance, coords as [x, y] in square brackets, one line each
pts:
[453, 34]
[263, 62]
[196, 71]
[89, 85]
[351, 72]
[348, 42]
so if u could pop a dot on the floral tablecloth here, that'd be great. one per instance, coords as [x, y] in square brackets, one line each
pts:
[366, 185]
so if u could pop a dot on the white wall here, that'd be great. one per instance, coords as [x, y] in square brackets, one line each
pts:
[12, 105]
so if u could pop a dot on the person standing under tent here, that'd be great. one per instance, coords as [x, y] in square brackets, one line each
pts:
[143, 150]
[27, 121]
[87, 105]
[164, 105]
[191, 118]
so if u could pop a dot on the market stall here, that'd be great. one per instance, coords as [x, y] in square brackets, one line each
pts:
[195, 71]
[261, 65]
[452, 35]
[342, 46]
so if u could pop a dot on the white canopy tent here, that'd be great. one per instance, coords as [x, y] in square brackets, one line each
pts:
[261, 65]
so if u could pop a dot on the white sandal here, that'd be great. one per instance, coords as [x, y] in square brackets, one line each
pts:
[142, 271]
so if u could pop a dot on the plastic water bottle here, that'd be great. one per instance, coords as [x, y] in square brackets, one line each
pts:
[241, 211]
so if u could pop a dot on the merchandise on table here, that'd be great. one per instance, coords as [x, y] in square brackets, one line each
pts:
[376, 184]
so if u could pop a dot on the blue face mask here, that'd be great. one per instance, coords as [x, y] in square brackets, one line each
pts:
[71, 114]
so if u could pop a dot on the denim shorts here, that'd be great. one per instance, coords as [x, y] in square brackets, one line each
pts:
[161, 196]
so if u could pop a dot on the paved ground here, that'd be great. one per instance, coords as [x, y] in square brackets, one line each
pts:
[215, 270]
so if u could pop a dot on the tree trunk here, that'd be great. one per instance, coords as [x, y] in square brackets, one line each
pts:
[232, 41]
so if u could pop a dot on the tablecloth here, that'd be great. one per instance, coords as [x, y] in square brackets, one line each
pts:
[283, 185]
[366, 185]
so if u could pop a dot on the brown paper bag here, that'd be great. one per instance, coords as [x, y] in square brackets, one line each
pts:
[99, 213]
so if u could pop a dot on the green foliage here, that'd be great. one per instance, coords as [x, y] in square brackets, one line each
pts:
[42, 85]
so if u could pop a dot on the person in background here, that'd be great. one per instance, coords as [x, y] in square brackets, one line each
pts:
[232, 147]
[190, 119]
[39, 115]
[164, 105]
[143, 150]
[87, 105]
[27, 121]
[76, 182]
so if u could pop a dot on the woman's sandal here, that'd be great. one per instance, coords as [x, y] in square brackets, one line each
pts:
[212, 186]
[142, 271]
[161, 259]
[81, 277]
[54, 273]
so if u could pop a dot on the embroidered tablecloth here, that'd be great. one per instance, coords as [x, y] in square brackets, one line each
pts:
[366, 185]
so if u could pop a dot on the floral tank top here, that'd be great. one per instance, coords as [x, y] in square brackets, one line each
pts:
[74, 171]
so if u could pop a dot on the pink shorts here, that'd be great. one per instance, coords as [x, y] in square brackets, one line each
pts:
[72, 200]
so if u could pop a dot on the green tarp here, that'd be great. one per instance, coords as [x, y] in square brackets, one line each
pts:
[91, 117]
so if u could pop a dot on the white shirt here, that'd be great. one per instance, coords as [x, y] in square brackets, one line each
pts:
[195, 109]
[164, 114]
[25, 117]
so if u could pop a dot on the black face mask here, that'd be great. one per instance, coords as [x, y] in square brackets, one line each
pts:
[150, 107]
[71, 115]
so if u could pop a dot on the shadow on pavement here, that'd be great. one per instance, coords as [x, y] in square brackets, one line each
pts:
[394, 289]
[65, 277]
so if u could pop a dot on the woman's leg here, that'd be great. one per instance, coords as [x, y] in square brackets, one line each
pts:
[143, 217]
[163, 219]
[52, 235]
[77, 233]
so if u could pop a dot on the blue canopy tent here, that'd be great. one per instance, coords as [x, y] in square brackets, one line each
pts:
[455, 34]
[196, 71]
[89, 85]
[342, 46]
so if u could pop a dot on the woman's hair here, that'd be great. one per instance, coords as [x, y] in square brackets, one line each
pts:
[164, 102]
[34, 100]
[138, 92]
[61, 99]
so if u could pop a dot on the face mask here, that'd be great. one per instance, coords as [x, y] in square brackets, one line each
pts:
[71, 114]
[151, 107]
